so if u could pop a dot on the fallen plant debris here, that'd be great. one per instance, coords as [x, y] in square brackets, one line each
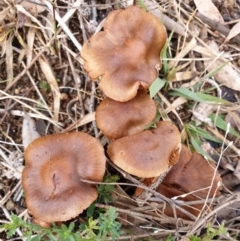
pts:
[48, 56]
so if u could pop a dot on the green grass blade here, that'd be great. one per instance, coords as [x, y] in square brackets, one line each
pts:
[195, 130]
[142, 5]
[156, 86]
[199, 149]
[165, 54]
[222, 124]
[200, 97]
[210, 98]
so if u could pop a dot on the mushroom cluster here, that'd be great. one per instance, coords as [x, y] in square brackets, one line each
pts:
[125, 58]
[54, 167]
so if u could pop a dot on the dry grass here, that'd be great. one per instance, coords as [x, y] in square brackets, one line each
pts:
[41, 73]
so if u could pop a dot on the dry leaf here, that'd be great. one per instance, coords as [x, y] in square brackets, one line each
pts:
[21, 10]
[9, 58]
[30, 42]
[208, 9]
[233, 32]
[234, 119]
[3, 41]
[46, 69]
[185, 75]
[33, 8]
[29, 132]
[22, 19]
[175, 104]
[230, 181]
[231, 211]
[14, 165]
[201, 113]
[237, 170]
[83, 121]
[4, 13]
[184, 51]
[227, 75]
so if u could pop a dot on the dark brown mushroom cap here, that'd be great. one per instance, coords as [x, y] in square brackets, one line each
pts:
[117, 119]
[51, 177]
[173, 192]
[126, 55]
[192, 174]
[148, 153]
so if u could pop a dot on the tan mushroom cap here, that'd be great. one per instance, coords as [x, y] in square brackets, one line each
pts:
[51, 177]
[193, 174]
[148, 153]
[118, 119]
[126, 55]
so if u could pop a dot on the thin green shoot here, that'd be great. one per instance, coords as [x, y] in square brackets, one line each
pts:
[156, 86]
[219, 121]
[197, 96]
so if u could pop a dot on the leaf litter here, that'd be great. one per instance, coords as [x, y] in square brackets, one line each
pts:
[40, 44]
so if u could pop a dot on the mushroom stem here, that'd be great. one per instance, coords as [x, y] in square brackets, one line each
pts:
[154, 182]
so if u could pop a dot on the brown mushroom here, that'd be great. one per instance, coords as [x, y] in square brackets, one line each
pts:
[191, 174]
[170, 192]
[126, 55]
[118, 119]
[148, 153]
[54, 167]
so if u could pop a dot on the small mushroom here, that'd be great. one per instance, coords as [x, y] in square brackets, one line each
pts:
[194, 174]
[191, 175]
[149, 153]
[118, 119]
[54, 167]
[126, 55]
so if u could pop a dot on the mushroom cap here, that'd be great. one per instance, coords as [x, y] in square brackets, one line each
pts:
[148, 153]
[192, 174]
[172, 192]
[126, 55]
[117, 119]
[54, 167]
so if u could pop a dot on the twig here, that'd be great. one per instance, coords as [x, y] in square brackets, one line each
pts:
[145, 195]
[18, 77]
[138, 214]
[235, 198]
[9, 194]
[216, 26]
[138, 184]
[168, 22]
[92, 107]
[63, 25]
[229, 143]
